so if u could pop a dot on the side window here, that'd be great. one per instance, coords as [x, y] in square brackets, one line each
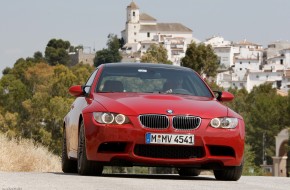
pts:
[90, 82]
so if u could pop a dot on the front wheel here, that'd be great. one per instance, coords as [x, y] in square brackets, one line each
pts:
[85, 166]
[230, 173]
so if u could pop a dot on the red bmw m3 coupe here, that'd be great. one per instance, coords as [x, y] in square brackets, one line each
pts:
[142, 114]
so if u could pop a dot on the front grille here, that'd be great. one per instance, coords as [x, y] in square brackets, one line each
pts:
[186, 122]
[170, 152]
[154, 121]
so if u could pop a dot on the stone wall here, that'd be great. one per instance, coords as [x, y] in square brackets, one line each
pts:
[82, 57]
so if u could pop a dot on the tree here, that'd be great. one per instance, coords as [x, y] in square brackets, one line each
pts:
[122, 42]
[156, 54]
[56, 52]
[8, 123]
[201, 58]
[38, 57]
[75, 48]
[13, 92]
[6, 71]
[264, 113]
[82, 72]
[110, 54]
[265, 118]
[20, 67]
[38, 78]
[249, 165]
[34, 99]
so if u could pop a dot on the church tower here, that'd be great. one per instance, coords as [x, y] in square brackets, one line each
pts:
[133, 23]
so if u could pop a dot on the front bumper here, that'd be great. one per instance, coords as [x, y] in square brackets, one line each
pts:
[126, 143]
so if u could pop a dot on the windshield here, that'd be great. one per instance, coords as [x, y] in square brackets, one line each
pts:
[151, 80]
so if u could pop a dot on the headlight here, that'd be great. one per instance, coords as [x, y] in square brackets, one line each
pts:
[110, 118]
[225, 122]
[120, 119]
[107, 118]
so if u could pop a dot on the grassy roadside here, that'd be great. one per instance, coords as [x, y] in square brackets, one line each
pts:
[25, 156]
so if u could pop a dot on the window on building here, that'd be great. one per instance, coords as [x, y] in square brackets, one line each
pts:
[134, 26]
[279, 84]
[257, 76]
[240, 62]
[281, 61]
[249, 62]
[234, 84]
[241, 69]
[148, 34]
[143, 46]
[135, 33]
[272, 46]
[135, 40]
[133, 13]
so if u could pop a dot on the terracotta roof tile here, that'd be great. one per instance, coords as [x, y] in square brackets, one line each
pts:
[133, 5]
[144, 16]
[245, 42]
[165, 27]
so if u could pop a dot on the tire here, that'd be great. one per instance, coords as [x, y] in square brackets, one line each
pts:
[67, 165]
[85, 166]
[230, 173]
[188, 172]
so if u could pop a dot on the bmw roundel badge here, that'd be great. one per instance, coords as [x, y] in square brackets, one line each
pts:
[169, 111]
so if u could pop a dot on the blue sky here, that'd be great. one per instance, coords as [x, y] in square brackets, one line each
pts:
[27, 25]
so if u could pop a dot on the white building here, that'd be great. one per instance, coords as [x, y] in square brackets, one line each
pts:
[256, 78]
[237, 60]
[217, 41]
[248, 58]
[224, 50]
[285, 86]
[251, 70]
[142, 30]
[274, 48]
[285, 55]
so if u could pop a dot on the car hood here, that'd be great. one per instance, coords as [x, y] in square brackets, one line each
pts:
[137, 104]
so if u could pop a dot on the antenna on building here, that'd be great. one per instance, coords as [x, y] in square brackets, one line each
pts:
[94, 47]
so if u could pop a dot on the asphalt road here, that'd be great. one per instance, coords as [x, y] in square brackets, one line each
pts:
[47, 181]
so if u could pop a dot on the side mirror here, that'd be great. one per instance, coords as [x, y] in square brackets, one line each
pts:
[76, 90]
[224, 96]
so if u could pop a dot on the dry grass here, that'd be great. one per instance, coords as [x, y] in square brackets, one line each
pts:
[24, 156]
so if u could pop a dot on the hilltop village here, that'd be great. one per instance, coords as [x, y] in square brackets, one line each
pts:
[242, 64]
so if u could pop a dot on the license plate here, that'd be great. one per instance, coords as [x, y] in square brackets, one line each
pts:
[179, 139]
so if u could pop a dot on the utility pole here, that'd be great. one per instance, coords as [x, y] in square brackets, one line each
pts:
[264, 150]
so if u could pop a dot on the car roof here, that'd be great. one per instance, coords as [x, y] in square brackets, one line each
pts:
[147, 65]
